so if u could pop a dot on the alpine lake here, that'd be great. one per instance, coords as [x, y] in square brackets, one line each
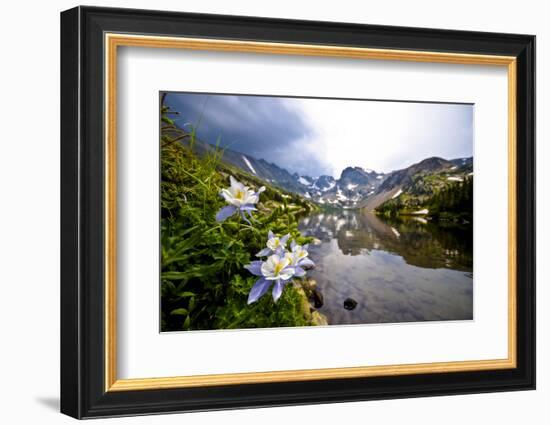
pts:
[372, 269]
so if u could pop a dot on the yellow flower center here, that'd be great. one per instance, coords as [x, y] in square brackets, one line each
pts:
[239, 195]
[278, 267]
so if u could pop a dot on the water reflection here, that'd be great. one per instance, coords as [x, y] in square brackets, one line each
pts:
[396, 270]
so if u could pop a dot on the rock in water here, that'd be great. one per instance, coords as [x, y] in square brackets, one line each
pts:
[350, 304]
[317, 298]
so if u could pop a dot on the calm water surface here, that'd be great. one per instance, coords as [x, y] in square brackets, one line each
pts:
[396, 271]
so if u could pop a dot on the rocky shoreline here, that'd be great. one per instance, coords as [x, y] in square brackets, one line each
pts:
[312, 300]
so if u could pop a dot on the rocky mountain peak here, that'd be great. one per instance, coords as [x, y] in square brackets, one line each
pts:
[433, 163]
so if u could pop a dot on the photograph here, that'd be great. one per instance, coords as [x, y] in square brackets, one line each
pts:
[284, 210]
[292, 211]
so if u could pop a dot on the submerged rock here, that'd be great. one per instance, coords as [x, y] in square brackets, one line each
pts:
[350, 304]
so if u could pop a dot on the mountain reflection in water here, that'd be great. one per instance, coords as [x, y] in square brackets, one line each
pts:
[396, 270]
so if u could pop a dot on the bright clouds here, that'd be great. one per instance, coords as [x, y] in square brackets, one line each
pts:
[385, 136]
[323, 136]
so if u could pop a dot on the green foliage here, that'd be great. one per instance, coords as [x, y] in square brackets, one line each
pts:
[203, 282]
[454, 202]
[445, 200]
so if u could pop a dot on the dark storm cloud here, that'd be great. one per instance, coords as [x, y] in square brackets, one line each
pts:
[262, 127]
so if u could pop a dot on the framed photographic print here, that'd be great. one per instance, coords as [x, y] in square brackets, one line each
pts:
[261, 212]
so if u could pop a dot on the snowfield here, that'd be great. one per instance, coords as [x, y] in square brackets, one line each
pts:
[304, 181]
[399, 192]
[248, 164]
[454, 179]
[325, 189]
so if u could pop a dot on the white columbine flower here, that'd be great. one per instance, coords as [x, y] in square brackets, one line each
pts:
[298, 257]
[275, 245]
[276, 269]
[240, 198]
[238, 194]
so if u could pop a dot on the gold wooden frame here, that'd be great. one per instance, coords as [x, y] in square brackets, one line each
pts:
[113, 41]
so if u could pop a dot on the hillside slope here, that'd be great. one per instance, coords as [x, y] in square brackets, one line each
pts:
[420, 181]
[204, 282]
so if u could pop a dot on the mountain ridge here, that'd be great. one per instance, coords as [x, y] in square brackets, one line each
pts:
[356, 187]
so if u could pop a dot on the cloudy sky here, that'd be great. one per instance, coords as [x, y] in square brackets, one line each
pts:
[323, 136]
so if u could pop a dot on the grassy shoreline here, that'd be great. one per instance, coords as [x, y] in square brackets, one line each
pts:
[203, 281]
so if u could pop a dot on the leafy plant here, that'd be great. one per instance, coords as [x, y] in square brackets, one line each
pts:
[204, 284]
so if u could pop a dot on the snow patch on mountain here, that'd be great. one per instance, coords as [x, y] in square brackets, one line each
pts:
[340, 196]
[399, 192]
[304, 181]
[248, 164]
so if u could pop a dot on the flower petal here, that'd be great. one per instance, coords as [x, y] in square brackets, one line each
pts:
[247, 207]
[287, 273]
[284, 239]
[306, 262]
[280, 251]
[251, 198]
[270, 235]
[268, 268]
[257, 194]
[292, 244]
[255, 267]
[245, 219]
[299, 272]
[278, 289]
[225, 213]
[236, 185]
[260, 288]
[264, 252]
[225, 194]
